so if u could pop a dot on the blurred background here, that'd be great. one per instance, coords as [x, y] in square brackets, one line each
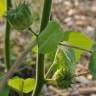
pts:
[72, 15]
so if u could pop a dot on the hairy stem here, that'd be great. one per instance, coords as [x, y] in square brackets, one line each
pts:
[7, 39]
[40, 61]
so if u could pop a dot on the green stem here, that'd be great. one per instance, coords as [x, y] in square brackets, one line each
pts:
[40, 61]
[75, 47]
[7, 39]
[33, 32]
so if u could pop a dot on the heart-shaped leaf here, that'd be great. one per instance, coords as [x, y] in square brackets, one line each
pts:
[20, 84]
[50, 37]
[29, 85]
[81, 40]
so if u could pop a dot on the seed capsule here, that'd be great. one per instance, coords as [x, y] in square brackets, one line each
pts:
[21, 17]
[64, 78]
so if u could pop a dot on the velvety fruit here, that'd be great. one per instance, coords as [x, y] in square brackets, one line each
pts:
[64, 78]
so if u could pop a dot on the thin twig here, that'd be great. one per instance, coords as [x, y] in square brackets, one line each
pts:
[33, 32]
[76, 47]
[16, 64]
[82, 74]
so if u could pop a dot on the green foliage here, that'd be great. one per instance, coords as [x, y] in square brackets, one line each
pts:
[50, 37]
[64, 78]
[80, 40]
[69, 58]
[65, 60]
[92, 63]
[93, 47]
[21, 85]
[65, 38]
[66, 35]
[20, 18]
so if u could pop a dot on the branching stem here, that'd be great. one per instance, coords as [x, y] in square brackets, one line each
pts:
[40, 58]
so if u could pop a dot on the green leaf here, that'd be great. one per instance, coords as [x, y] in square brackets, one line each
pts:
[20, 84]
[92, 65]
[66, 35]
[29, 85]
[51, 56]
[80, 40]
[64, 75]
[16, 83]
[50, 38]
[64, 58]
[93, 47]
[3, 7]
[69, 58]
